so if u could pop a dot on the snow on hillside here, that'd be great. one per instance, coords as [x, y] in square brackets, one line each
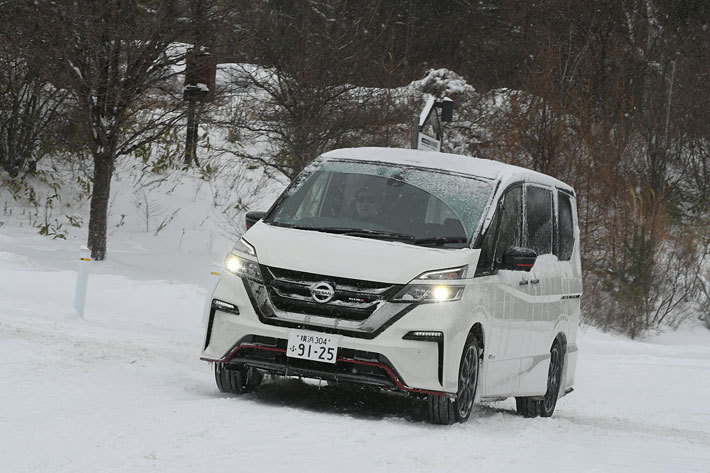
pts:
[123, 390]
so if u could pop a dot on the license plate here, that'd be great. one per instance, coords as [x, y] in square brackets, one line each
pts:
[312, 346]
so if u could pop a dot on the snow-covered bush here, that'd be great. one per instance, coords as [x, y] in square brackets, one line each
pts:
[467, 133]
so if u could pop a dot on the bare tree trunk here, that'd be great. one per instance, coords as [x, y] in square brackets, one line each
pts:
[191, 135]
[103, 170]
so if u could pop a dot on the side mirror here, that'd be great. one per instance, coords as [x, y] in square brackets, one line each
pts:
[519, 259]
[253, 217]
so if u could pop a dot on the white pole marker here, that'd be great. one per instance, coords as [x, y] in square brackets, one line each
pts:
[82, 279]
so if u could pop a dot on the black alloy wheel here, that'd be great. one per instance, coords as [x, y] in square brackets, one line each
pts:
[444, 410]
[554, 378]
[530, 407]
[468, 380]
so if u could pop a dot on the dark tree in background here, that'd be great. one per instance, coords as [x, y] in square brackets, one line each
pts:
[210, 24]
[32, 109]
[115, 58]
[614, 101]
[611, 96]
[306, 94]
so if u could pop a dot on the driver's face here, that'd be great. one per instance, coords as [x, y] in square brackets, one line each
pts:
[367, 204]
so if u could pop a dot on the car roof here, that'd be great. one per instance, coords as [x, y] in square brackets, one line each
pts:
[486, 168]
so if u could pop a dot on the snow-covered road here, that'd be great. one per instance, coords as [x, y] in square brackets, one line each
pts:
[123, 390]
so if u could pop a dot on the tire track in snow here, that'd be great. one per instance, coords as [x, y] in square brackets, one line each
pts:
[622, 424]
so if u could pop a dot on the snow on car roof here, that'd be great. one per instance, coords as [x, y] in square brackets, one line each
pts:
[506, 173]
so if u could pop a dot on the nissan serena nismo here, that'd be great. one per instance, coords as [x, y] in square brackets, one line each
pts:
[447, 277]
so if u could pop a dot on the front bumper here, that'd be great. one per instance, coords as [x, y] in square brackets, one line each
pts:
[367, 368]
[384, 358]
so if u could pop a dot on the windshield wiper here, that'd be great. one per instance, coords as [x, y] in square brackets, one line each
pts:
[381, 234]
[361, 232]
[439, 241]
[291, 225]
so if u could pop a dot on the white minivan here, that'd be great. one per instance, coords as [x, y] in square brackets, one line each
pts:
[447, 277]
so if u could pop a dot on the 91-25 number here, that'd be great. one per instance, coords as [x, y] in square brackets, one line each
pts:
[322, 353]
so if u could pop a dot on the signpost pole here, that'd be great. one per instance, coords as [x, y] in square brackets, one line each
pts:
[430, 116]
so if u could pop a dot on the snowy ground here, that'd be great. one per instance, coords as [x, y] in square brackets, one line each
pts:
[123, 390]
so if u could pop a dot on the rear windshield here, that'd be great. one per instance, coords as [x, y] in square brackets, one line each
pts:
[376, 200]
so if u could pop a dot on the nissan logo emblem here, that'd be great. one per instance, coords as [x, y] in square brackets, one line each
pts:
[322, 292]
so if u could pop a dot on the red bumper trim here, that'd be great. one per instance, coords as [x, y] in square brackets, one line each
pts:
[395, 379]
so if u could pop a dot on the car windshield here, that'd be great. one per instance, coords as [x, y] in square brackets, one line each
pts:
[393, 202]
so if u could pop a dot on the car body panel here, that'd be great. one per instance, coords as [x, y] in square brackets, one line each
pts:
[348, 256]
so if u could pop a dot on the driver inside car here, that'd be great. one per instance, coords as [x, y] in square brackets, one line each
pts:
[368, 205]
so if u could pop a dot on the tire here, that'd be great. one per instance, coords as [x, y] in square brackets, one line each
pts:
[446, 411]
[529, 407]
[236, 380]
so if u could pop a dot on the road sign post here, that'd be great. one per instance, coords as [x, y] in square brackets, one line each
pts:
[432, 118]
[82, 280]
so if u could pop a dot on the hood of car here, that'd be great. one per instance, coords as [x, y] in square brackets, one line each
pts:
[349, 256]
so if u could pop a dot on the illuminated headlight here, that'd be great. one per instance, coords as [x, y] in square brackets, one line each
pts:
[243, 267]
[421, 293]
[414, 292]
[443, 293]
[234, 264]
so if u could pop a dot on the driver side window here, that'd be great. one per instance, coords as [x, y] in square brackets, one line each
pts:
[504, 231]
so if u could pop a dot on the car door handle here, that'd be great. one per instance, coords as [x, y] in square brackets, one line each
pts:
[534, 281]
[524, 282]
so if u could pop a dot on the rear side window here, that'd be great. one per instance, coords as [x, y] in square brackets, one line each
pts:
[538, 206]
[566, 226]
[511, 219]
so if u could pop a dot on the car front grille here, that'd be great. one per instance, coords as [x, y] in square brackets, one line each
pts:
[353, 299]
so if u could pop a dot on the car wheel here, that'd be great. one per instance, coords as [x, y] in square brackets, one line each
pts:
[236, 380]
[444, 410]
[529, 407]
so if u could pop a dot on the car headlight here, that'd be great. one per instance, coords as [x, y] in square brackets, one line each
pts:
[444, 274]
[243, 267]
[243, 246]
[414, 292]
[421, 293]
